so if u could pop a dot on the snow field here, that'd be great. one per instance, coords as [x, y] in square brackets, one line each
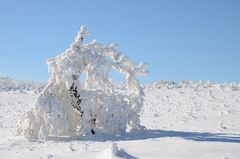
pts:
[181, 123]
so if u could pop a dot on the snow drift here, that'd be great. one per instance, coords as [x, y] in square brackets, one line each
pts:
[68, 106]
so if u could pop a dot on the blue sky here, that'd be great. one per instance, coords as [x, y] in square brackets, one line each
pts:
[181, 39]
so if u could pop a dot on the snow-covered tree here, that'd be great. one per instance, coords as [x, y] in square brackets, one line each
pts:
[68, 106]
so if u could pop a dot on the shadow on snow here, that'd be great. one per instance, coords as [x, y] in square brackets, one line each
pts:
[151, 134]
[124, 154]
[148, 134]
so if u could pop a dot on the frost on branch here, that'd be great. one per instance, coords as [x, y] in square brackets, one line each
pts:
[68, 106]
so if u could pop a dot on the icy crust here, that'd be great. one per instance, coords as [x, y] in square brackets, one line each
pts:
[69, 107]
[8, 84]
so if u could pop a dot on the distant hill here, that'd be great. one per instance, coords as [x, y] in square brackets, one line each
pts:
[193, 85]
[9, 84]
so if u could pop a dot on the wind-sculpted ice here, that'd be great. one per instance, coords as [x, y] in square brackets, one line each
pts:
[70, 107]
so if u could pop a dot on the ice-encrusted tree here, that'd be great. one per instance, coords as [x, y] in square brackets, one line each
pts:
[68, 106]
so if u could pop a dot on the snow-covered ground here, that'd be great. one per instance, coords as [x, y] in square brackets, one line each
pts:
[183, 121]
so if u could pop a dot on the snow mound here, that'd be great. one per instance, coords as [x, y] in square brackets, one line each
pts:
[69, 107]
[9, 84]
[112, 152]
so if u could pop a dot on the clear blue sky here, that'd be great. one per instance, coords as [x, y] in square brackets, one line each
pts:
[181, 39]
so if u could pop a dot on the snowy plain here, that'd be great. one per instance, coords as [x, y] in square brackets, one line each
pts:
[188, 120]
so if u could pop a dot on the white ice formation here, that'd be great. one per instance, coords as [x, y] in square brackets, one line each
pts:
[70, 107]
